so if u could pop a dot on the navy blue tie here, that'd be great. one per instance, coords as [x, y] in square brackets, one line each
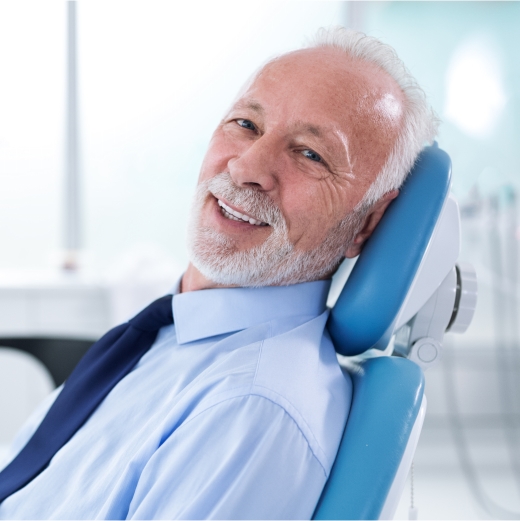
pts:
[108, 361]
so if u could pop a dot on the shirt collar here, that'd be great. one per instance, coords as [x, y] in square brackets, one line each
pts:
[209, 312]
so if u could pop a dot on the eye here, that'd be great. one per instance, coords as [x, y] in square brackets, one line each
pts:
[310, 154]
[245, 123]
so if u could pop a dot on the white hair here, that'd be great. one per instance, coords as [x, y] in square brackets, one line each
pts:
[420, 121]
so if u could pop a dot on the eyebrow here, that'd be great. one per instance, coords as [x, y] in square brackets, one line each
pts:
[302, 127]
[310, 129]
[251, 104]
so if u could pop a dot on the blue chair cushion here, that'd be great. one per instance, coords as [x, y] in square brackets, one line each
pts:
[387, 395]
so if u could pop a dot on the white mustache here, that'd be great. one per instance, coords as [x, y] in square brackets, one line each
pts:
[249, 200]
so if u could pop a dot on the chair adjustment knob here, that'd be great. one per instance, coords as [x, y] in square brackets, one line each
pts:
[425, 352]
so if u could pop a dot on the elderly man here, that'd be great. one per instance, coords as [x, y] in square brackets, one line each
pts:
[236, 409]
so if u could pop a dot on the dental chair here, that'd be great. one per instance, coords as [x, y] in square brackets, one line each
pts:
[404, 292]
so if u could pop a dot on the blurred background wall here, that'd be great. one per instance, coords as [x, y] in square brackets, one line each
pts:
[154, 78]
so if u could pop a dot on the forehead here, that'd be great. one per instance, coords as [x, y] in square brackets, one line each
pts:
[324, 86]
[326, 78]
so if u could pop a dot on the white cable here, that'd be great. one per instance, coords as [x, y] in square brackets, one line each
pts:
[412, 511]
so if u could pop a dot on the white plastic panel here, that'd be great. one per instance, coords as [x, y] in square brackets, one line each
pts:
[439, 259]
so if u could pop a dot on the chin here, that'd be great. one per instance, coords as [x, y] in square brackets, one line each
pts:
[273, 263]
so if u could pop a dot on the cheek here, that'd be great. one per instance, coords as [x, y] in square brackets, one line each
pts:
[212, 163]
[312, 208]
[217, 157]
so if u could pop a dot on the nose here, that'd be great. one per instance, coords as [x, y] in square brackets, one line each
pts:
[255, 166]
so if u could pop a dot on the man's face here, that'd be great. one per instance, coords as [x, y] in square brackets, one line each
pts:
[294, 156]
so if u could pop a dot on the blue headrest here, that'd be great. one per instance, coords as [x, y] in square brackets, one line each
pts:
[366, 309]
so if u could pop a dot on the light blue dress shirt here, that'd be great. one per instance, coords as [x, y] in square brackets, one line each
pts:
[236, 411]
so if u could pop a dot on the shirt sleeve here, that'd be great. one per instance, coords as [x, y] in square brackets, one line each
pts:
[244, 458]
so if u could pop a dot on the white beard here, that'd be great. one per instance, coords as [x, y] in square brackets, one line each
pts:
[275, 262]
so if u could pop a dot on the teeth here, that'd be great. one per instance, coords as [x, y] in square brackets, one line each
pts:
[229, 216]
[237, 216]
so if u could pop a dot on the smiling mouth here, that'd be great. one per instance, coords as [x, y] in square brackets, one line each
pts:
[234, 215]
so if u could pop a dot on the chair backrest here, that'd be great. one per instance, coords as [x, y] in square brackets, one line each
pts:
[387, 396]
[365, 312]
[388, 391]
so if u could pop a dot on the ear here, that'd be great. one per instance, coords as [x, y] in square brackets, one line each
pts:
[371, 221]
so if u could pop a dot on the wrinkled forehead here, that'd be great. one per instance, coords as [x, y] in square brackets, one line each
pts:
[327, 84]
[328, 75]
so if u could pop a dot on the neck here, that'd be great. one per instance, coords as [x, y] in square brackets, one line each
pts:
[194, 280]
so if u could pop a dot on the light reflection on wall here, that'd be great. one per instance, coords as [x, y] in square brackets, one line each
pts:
[475, 96]
[475, 46]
